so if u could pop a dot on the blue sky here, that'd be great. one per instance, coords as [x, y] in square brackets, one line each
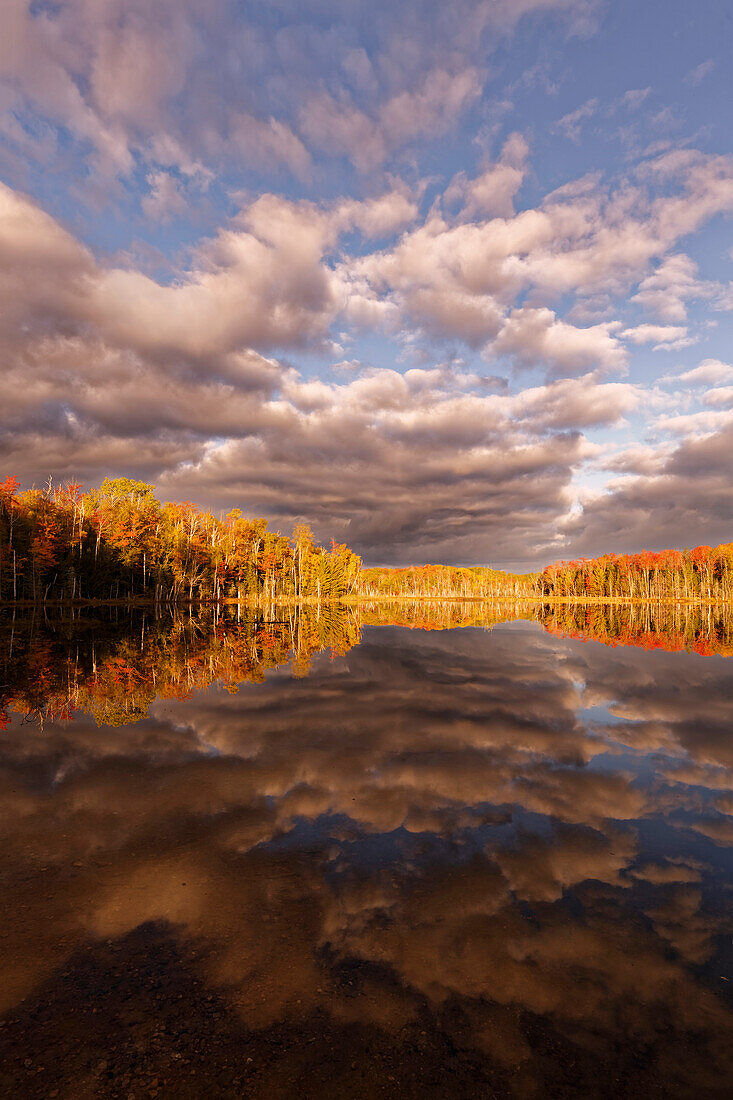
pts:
[451, 282]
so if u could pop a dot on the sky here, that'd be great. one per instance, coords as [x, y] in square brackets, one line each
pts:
[451, 282]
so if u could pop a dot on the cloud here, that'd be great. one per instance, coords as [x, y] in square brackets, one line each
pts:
[686, 495]
[570, 124]
[428, 111]
[262, 281]
[667, 290]
[459, 278]
[654, 334]
[421, 467]
[492, 193]
[720, 396]
[269, 144]
[635, 97]
[121, 373]
[44, 270]
[381, 217]
[664, 337]
[710, 371]
[697, 75]
[164, 200]
[122, 78]
[187, 382]
[578, 403]
[537, 336]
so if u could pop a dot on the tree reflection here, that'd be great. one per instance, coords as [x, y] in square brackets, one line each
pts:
[114, 667]
[498, 858]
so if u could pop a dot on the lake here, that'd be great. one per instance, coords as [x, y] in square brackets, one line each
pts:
[409, 850]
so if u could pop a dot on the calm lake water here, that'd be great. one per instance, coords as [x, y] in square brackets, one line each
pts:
[326, 856]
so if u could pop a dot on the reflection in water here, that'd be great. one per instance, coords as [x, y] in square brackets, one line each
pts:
[115, 665]
[703, 629]
[461, 863]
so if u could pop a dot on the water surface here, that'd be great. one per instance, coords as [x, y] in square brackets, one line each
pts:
[304, 855]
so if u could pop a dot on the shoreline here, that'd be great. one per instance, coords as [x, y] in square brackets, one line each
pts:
[352, 601]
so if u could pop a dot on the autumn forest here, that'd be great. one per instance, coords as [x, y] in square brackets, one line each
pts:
[119, 543]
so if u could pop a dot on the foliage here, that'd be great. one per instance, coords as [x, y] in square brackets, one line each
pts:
[438, 581]
[703, 573]
[120, 542]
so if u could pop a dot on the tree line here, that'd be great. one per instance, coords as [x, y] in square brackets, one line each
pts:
[441, 581]
[706, 573]
[119, 542]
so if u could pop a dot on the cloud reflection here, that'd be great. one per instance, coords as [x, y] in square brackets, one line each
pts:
[508, 831]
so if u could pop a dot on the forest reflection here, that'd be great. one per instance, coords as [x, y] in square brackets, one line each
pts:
[444, 862]
[113, 662]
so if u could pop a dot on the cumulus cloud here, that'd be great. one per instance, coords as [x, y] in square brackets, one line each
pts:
[666, 291]
[537, 336]
[123, 79]
[663, 337]
[655, 334]
[685, 495]
[188, 382]
[578, 403]
[492, 192]
[710, 371]
[421, 467]
[719, 396]
[260, 281]
[343, 128]
[164, 201]
[459, 279]
[126, 373]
